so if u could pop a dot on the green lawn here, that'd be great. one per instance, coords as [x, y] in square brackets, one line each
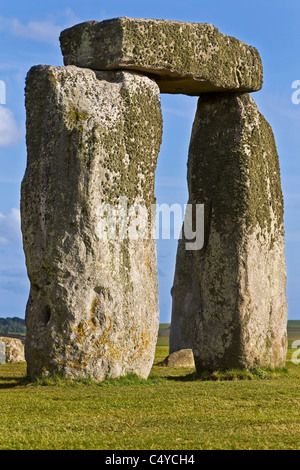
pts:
[171, 410]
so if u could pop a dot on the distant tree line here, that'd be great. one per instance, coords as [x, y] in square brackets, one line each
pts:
[164, 330]
[12, 325]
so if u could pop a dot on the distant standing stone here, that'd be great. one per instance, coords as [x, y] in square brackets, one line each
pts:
[189, 58]
[14, 350]
[229, 298]
[2, 352]
[182, 358]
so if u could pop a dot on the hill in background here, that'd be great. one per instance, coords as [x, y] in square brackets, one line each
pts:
[16, 326]
[12, 325]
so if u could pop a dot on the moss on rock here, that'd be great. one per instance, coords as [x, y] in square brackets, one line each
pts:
[92, 137]
[189, 58]
[229, 299]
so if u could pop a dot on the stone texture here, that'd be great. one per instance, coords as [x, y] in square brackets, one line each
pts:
[91, 138]
[2, 352]
[182, 358]
[190, 58]
[14, 349]
[229, 298]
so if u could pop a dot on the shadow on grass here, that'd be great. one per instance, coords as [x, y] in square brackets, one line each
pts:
[229, 375]
[12, 382]
[61, 381]
[9, 382]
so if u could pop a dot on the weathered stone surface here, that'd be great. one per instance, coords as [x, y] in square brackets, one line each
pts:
[91, 138]
[14, 349]
[182, 358]
[2, 352]
[190, 58]
[229, 299]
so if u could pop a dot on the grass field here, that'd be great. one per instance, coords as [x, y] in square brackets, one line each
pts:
[171, 410]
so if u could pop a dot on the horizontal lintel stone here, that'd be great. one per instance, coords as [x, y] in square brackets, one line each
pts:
[187, 58]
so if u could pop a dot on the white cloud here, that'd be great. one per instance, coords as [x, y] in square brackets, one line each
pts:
[43, 31]
[47, 30]
[10, 131]
[10, 228]
[69, 17]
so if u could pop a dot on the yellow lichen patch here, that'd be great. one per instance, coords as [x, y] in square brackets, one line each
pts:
[96, 302]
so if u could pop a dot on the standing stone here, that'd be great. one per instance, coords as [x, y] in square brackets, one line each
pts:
[2, 352]
[14, 350]
[181, 358]
[92, 137]
[190, 58]
[229, 298]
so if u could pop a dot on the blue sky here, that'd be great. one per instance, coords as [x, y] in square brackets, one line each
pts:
[29, 35]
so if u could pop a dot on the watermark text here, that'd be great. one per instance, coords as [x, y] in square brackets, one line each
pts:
[296, 94]
[136, 222]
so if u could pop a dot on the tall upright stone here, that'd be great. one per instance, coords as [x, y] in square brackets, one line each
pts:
[92, 137]
[229, 298]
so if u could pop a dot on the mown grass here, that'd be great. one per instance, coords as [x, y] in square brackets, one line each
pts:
[173, 409]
